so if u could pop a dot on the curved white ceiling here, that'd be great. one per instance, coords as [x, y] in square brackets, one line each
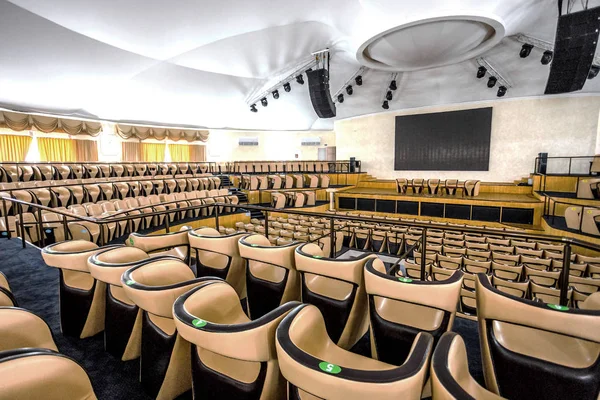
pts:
[195, 62]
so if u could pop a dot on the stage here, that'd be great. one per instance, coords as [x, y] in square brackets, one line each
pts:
[504, 208]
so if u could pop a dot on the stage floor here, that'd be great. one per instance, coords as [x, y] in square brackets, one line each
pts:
[497, 197]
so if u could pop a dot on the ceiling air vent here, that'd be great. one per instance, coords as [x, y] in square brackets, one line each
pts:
[311, 141]
[248, 141]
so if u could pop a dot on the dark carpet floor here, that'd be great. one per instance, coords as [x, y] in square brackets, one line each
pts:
[35, 287]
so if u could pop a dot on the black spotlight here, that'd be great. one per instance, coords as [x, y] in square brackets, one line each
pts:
[300, 79]
[547, 57]
[340, 98]
[349, 90]
[593, 71]
[492, 81]
[388, 95]
[481, 72]
[253, 108]
[385, 105]
[275, 94]
[525, 50]
[264, 102]
[393, 85]
[501, 91]
[287, 87]
[358, 80]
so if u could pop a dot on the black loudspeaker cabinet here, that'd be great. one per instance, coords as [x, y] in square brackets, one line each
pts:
[318, 87]
[542, 163]
[574, 49]
[352, 164]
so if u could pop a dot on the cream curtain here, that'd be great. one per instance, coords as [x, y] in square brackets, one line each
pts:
[52, 149]
[22, 122]
[144, 132]
[86, 150]
[197, 153]
[132, 151]
[13, 147]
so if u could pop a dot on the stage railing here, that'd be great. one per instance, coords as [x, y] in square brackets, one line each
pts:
[331, 217]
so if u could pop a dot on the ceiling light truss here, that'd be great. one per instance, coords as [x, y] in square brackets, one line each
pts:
[349, 82]
[388, 88]
[492, 71]
[289, 78]
[543, 44]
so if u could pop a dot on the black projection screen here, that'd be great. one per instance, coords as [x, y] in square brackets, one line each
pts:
[447, 141]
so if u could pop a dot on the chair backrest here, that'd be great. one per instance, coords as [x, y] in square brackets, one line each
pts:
[522, 338]
[219, 255]
[42, 373]
[450, 377]
[401, 307]
[271, 278]
[337, 288]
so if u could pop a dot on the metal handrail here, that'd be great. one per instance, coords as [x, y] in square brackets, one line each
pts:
[568, 242]
[537, 164]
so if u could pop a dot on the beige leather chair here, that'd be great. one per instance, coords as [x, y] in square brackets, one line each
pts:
[588, 224]
[278, 200]
[35, 373]
[450, 375]
[433, 185]
[167, 244]
[584, 188]
[271, 276]
[153, 286]
[533, 340]
[401, 185]
[7, 299]
[81, 296]
[324, 181]
[337, 288]
[233, 357]
[123, 318]
[219, 255]
[400, 308]
[316, 368]
[471, 188]
[20, 328]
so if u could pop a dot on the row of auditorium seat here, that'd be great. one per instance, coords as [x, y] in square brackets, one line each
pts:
[407, 319]
[291, 181]
[13, 172]
[281, 200]
[436, 186]
[47, 172]
[106, 199]
[30, 364]
[584, 219]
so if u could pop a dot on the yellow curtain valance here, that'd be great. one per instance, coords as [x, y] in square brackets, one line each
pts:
[145, 132]
[22, 122]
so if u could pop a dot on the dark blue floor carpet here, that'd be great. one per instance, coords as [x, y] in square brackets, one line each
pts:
[35, 287]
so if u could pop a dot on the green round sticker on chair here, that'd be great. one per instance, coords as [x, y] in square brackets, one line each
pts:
[317, 256]
[131, 241]
[558, 307]
[199, 323]
[254, 245]
[130, 282]
[330, 368]
[405, 280]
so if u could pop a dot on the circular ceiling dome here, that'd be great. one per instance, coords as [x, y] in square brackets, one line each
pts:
[431, 42]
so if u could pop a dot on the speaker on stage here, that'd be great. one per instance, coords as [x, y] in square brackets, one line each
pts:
[352, 164]
[574, 49]
[542, 163]
[318, 87]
